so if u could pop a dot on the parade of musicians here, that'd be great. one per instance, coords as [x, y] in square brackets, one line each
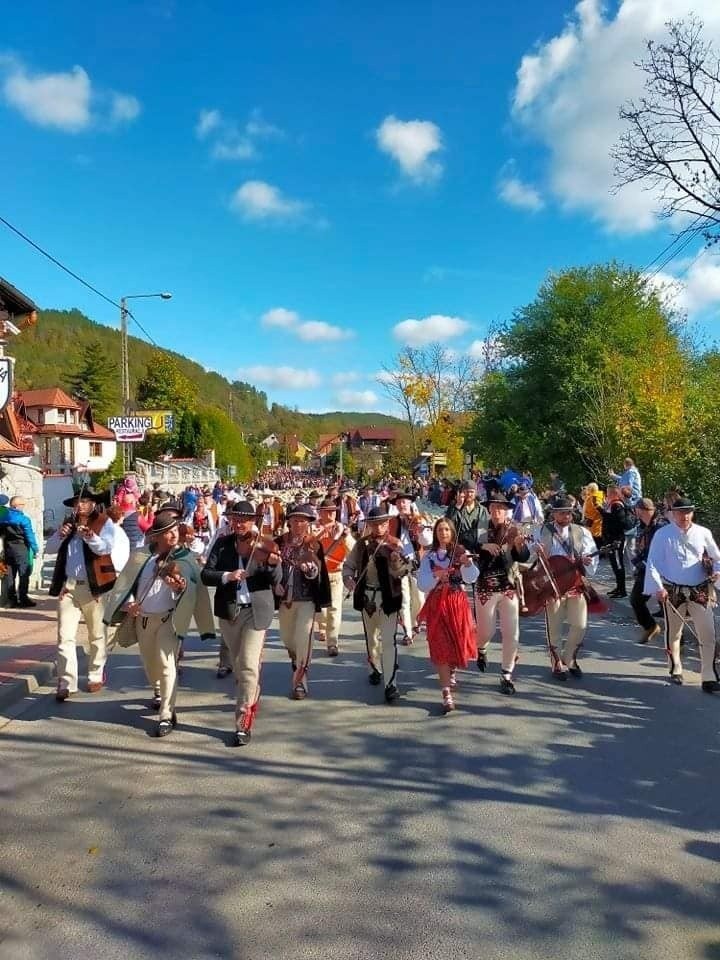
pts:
[360, 481]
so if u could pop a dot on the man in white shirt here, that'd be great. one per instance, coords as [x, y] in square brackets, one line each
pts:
[683, 565]
[526, 509]
[244, 576]
[413, 538]
[149, 589]
[83, 573]
[561, 537]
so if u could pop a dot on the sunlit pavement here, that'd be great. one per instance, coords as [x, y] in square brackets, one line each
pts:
[575, 820]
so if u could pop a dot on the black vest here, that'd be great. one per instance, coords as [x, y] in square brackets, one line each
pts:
[390, 587]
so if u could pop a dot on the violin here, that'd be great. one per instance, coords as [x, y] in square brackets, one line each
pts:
[261, 547]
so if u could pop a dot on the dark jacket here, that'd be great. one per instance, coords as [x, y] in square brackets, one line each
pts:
[390, 586]
[469, 524]
[223, 558]
[319, 587]
[17, 532]
[644, 538]
[615, 522]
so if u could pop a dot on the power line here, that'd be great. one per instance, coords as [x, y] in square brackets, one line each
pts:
[75, 276]
[57, 263]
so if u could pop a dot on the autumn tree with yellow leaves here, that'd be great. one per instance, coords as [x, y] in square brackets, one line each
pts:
[435, 388]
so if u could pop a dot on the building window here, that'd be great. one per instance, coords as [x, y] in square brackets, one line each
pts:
[95, 449]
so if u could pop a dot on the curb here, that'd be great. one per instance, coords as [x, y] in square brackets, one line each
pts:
[23, 684]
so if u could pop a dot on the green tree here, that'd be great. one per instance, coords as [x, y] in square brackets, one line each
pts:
[97, 380]
[594, 370]
[216, 431]
[165, 387]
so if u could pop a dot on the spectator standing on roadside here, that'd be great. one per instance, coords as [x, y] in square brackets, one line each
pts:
[630, 477]
[20, 551]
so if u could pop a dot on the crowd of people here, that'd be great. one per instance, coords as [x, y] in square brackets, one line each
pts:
[140, 566]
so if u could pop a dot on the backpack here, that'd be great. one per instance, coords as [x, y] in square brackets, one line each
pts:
[628, 519]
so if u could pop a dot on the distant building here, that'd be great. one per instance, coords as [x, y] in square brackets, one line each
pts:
[66, 438]
[373, 438]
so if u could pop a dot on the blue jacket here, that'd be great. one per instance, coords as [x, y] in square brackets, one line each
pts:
[16, 527]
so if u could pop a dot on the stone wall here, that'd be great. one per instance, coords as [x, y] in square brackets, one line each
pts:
[23, 480]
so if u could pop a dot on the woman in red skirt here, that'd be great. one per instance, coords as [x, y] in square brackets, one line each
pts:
[450, 628]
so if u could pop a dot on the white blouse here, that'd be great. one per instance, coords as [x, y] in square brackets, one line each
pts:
[426, 580]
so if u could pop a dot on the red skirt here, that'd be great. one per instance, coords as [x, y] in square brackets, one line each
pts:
[450, 626]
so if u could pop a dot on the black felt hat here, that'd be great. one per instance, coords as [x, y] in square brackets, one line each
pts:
[87, 493]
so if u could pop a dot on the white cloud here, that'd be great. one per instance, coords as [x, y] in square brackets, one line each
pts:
[319, 330]
[60, 100]
[357, 399]
[569, 91]
[345, 376]
[280, 317]
[236, 149]
[308, 330]
[208, 120]
[697, 288]
[258, 200]
[477, 349]
[412, 144]
[519, 194]
[231, 140]
[64, 101]
[418, 333]
[290, 378]
[124, 108]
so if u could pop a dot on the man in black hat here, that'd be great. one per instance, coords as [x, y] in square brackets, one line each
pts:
[649, 522]
[303, 591]
[683, 566]
[83, 573]
[244, 577]
[151, 588]
[496, 598]
[337, 543]
[470, 518]
[561, 537]
[373, 572]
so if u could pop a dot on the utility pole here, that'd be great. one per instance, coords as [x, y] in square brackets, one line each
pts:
[124, 360]
[125, 375]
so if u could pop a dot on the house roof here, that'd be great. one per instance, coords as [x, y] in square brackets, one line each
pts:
[8, 449]
[375, 433]
[49, 397]
[11, 440]
[13, 300]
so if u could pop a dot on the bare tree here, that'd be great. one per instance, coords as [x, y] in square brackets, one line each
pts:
[673, 136]
[395, 384]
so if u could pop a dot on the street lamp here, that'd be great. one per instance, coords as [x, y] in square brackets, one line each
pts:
[124, 364]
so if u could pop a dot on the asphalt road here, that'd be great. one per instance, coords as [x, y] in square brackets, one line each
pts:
[570, 821]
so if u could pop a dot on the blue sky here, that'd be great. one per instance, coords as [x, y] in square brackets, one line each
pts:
[307, 178]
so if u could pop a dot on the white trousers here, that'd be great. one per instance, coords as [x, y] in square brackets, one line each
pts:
[507, 611]
[329, 620]
[704, 626]
[158, 648]
[74, 603]
[573, 611]
[412, 601]
[380, 631]
[245, 646]
[296, 629]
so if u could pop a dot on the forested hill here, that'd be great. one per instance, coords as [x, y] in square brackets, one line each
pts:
[48, 354]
